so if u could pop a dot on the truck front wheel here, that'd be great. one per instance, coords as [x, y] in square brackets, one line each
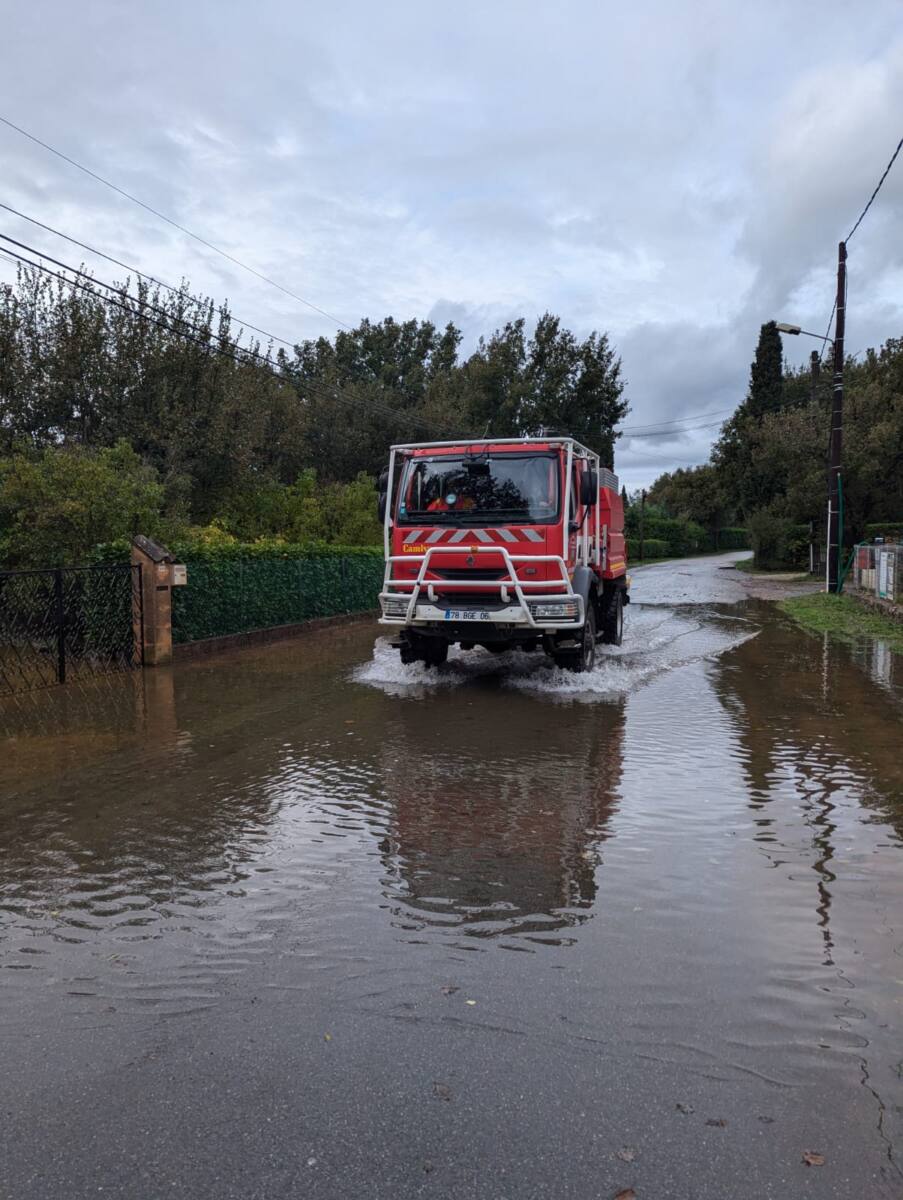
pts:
[584, 657]
[432, 652]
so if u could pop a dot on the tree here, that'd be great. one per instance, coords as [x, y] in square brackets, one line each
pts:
[517, 386]
[743, 474]
[695, 493]
[766, 374]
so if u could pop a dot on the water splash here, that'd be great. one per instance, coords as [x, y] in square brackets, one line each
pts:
[655, 641]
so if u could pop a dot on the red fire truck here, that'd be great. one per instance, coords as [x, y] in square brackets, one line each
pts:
[511, 542]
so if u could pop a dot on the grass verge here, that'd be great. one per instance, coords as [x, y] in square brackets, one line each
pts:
[843, 618]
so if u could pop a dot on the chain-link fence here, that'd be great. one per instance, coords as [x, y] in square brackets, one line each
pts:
[877, 570]
[68, 623]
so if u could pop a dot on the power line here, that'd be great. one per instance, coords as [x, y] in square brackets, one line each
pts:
[117, 290]
[877, 189]
[134, 270]
[677, 420]
[676, 432]
[169, 220]
[242, 357]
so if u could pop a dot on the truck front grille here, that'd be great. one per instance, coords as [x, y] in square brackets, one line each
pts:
[464, 573]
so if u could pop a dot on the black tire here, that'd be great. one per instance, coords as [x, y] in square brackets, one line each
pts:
[436, 652]
[583, 659]
[432, 652]
[613, 616]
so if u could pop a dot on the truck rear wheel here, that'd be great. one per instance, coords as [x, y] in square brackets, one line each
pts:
[584, 657]
[613, 616]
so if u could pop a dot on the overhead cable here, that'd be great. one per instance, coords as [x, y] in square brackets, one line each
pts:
[135, 271]
[126, 301]
[175, 224]
[877, 189]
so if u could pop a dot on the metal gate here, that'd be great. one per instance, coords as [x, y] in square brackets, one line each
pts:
[69, 623]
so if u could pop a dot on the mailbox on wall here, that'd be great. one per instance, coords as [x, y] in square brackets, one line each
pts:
[179, 575]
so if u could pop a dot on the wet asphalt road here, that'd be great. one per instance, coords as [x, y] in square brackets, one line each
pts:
[299, 921]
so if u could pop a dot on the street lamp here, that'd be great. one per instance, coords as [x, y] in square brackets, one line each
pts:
[781, 327]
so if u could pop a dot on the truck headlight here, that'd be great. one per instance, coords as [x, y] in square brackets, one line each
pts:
[395, 606]
[564, 610]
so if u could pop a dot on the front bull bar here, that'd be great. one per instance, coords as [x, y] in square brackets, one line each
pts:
[502, 586]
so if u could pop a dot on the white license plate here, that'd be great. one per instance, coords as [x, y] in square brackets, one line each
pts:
[465, 614]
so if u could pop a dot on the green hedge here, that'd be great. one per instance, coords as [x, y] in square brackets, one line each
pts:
[236, 588]
[733, 539]
[885, 529]
[653, 548]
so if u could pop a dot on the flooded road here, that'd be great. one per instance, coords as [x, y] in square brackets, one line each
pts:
[298, 921]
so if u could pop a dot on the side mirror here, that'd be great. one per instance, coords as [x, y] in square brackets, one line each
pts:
[382, 502]
[589, 486]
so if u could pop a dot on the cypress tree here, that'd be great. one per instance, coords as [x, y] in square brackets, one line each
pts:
[766, 376]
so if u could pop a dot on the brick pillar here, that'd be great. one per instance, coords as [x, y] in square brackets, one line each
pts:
[156, 591]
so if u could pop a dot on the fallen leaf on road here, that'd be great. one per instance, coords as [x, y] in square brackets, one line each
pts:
[442, 1091]
[811, 1159]
[327, 1037]
[449, 990]
[627, 1154]
[684, 1108]
[767, 1120]
[627, 1194]
[718, 1122]
[471, 1002]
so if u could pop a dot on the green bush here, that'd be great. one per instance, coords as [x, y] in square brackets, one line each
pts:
[653, 548]
[681, 535]
[57, 505]
[778, 542]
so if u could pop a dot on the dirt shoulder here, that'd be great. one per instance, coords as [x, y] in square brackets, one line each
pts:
[775, 586]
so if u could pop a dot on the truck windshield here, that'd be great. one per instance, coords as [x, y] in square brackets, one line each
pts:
[481, 489]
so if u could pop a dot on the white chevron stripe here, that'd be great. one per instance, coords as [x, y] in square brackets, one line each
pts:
[493, 535]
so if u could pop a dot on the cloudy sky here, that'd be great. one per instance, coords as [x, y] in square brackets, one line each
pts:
[675, 174]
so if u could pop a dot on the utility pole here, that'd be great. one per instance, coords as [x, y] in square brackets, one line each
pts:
[642, 517]
[835, 532]
[815, 370]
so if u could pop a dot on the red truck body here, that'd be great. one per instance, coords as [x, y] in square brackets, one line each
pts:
[502, 543]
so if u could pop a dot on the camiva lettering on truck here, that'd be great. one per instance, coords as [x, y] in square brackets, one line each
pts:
[502, 543]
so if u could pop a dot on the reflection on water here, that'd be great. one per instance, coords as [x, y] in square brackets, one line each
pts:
[704, 838]
[498, 832]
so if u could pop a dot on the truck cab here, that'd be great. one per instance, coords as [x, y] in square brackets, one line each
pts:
[505, 543]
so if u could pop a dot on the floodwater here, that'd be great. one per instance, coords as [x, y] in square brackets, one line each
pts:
[298, 921]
